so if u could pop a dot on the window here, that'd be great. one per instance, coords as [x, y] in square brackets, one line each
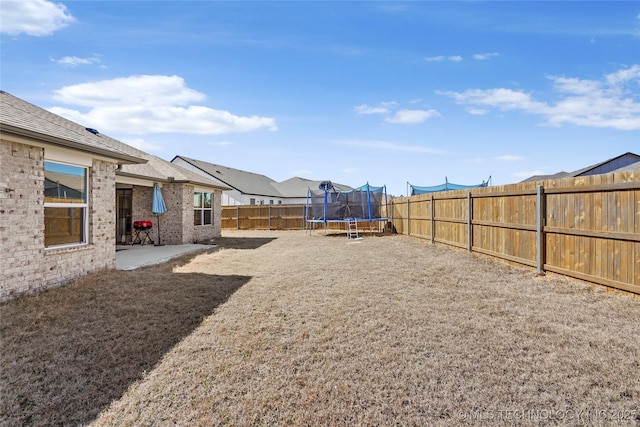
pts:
[252, 201]
[65, 204]
[202, 208]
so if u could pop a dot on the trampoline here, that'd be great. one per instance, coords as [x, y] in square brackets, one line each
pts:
[329, 204]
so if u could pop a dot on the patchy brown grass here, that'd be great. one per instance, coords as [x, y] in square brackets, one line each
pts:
[312, 330]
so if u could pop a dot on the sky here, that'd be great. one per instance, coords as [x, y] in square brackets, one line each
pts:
[388, 93]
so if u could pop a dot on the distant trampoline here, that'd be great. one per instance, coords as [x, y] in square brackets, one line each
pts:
[329, 204]
[447, 186]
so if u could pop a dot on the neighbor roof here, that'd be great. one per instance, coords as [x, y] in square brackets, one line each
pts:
[630, 168]
[21, 118]
[631, 157]
[297, 187]
[256, 184]
[245, 182]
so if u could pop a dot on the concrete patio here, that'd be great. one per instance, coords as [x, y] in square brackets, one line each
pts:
[131, 257]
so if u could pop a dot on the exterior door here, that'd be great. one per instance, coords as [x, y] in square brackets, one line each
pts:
[123, 214]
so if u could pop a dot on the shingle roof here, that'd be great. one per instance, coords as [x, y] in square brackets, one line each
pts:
[257, 184]
[584, 170]
[297, 187]
[545, 177]
[22, 118]
[245, 182]
[629, 168]
[589, 168]
[25, 119]
[159, 169]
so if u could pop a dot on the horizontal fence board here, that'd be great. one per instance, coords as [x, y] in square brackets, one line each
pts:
[505, 257]
[595, 279]
[632, 237]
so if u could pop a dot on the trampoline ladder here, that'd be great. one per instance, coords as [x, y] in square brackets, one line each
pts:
[352, 230]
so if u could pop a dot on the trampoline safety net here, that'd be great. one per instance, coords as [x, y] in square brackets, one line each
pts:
[329, 204]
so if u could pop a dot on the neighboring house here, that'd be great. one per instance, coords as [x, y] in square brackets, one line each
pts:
[623, 162]
[248, 188]
[59, 183]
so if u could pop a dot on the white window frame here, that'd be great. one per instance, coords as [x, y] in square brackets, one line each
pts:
[203, 209]
[84, 206]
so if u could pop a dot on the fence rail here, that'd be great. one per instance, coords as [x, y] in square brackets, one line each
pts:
[587, 227]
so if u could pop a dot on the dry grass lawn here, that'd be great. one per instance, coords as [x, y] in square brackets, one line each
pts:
[283, 328]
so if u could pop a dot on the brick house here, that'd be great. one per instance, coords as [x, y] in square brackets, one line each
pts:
[59, 186]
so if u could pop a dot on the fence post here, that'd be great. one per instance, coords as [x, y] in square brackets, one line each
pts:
[408, 216]
[269, 220]
[238, 217]
[433, 220]
[540, 218]
[469, 218]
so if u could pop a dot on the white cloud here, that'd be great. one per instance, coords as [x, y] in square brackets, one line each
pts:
[623, 76]
[381, 108]
[412, 116]
[403, 116]
[484, 56]
[477, 111]
[505, 99]
[509, 158]
[391, 146]
[220, 143]
[440, 58]
[74, 61]
[349, 170]
[151, 104]
[141, 144]
[606, 103]
[33, 17]
[143, 90]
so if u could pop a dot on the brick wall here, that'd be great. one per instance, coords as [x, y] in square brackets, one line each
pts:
[21, 217]
[141, 198]
[176, 225]
[178, 197]
[204, 233]
[26, 266]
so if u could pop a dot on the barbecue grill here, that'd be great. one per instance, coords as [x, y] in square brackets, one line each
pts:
[141, 232]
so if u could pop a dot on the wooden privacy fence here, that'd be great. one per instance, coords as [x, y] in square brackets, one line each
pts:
[587, 227]
[279, 217]
[263, 217]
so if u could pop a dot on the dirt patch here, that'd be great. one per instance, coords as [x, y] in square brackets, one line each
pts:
[381, 331]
